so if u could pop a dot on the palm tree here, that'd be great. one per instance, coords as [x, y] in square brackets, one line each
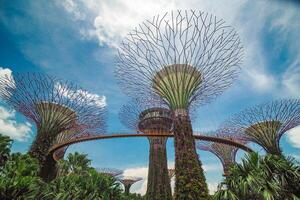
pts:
[75, 163]
[261, 178]
[79, 186]
[5, 145]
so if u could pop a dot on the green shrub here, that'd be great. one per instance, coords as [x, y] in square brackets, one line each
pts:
[18, 178]
[5, 145]
[269, 177]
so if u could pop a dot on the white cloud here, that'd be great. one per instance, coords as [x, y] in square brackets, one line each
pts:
[10, 127]
[8, 124]
[260, 81]
[96, 99]
[109, 21]
[71, 7]
[212, 187]
[291, 79]
[294, 137]
[6, 73]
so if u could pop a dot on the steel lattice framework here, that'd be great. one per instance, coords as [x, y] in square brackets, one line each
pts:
[226, 153]
[128, 181]
[202, 50]
[59, 109]
[181, 58]
[265, 124]
[110, 171]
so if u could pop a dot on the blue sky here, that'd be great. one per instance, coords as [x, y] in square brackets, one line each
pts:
[77, 40]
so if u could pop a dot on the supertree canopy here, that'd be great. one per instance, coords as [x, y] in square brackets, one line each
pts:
[157, 120]
[226, 153]
[128, 182]
[264, 124]
[110, 171]
[181, 58]
[58, 109]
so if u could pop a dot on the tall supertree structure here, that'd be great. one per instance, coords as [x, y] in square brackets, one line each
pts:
[265, 124]
[128, 182]
[110, 171]
[152, 119]
[181, 58]
[226, 153]
[57, 108]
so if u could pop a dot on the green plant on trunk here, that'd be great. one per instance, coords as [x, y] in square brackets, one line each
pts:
[190, 180]
[158, 185]
[263, 178]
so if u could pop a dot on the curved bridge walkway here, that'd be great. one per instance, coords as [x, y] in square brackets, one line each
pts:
[123, 135]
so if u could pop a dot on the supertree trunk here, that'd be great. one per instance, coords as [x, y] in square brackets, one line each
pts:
[127, 189]
[226, 168]
[39, 150]
[49, 169]
[190, 179]
[158, 186]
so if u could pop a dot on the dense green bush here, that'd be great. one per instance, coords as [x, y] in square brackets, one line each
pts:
[75, 163]
[77, 180]
[18, 178]
[90, 185]
[267, 177]
[5, 144]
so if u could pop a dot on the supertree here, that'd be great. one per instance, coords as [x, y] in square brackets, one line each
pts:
[265, 124]
[110, 171]
[181, 58]
[226, 153]
[56, 107]
[128, 182]
[152, 119]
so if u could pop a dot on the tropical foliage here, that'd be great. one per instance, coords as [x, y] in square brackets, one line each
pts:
[76, 163]
[18, 178]
[5, 144]
[77, 179]
[261, 178]
[90, 185]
